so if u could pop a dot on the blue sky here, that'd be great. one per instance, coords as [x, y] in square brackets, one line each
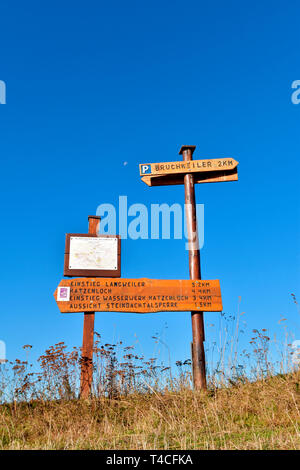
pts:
[93, 85]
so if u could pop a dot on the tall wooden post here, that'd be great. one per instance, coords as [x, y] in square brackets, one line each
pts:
[88, 333]
[198, 354]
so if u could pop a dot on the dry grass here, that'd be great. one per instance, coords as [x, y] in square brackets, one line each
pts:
[259, 415]
[139, 403]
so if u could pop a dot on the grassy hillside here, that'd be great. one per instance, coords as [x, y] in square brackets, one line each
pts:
[260, 415]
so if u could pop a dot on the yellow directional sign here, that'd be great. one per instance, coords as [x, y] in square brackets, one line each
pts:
[191, 166]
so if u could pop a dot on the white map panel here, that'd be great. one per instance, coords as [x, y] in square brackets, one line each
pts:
[93, 253]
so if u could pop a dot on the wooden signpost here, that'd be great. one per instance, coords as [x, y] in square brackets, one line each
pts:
[86, 376]
[204, 171]
[189, 166]
[189, 172]
[90, 255]
[97, 259]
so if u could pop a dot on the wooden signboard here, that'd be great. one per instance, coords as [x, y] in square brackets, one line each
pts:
[207, 177]
[189, 172]
[137, 295]
[92, 255]
[184, 167]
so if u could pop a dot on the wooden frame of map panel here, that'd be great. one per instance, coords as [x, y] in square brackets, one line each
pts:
[69, 272]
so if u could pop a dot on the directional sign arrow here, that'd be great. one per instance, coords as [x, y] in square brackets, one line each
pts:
[137, 295]
[192, 166]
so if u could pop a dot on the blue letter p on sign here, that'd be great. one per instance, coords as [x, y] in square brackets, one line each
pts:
[146, 169]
